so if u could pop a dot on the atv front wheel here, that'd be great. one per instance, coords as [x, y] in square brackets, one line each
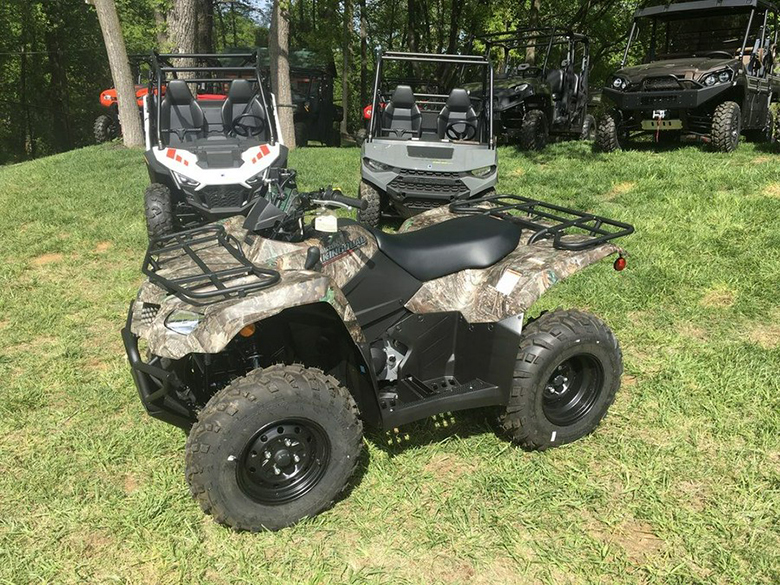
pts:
[371, 214]
[588, 129]
[301, 134]
[105, 129]
[158, 209]
[607, 134]
[726, 127]
[273, 447]
[566, 376]
[534, 133]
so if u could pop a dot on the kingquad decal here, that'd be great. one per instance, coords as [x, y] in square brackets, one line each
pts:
[336, 251]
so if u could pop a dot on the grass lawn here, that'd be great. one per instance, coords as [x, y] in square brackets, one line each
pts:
[681, 483]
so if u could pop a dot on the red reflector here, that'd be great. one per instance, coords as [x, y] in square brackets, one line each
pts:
[264, 149]
[171, 153]
[619, 264]
[367, 112]
[178, 158]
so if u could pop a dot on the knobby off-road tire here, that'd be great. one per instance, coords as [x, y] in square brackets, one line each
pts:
[105, 129]
[371, 214]
[158, 209]
[259, 425]
[588, 129]
[726, 127]
[301, 134]
[534, 133]
[607, 138]
[566, 376]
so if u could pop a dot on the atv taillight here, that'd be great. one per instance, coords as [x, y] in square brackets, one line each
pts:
[619, 264]
[367, 112]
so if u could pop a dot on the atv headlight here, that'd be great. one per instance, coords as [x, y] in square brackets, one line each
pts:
[482, 172]
[619, 83]
[724, 76]
[183, 322]
[375, 165]
[710, 80]
[520, 88]
[718, 77]
[184, 181]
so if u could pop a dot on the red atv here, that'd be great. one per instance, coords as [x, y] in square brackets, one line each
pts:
[107, 125]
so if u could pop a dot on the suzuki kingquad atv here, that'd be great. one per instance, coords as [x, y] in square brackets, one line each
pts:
[708, 76]
[273, 342]
[424, 149]
[210, 140]
[542, 89]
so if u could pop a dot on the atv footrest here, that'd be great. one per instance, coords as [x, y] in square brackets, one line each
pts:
[217, 267]
[474, 394]
[568, 228]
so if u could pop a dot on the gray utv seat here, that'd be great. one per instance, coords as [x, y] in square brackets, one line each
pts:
[402, 117]
[458, 244]
[555, 81]
[457, 109]
[180, 115]
[242, 99]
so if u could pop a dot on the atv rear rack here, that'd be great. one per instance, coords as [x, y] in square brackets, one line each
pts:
[194, 243]
[581, 230]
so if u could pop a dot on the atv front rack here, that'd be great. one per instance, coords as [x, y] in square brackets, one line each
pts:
[569, 229]
[201, 283]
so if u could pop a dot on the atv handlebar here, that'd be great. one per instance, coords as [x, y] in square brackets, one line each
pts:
[330, 196]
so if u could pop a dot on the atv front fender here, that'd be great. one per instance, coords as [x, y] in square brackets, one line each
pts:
[223, 320]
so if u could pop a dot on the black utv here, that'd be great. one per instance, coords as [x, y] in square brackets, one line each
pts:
[708, 75]
[541, 89]
[315, 116]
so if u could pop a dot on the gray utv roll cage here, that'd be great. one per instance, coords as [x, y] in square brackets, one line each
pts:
[163, 71]
[459, 60]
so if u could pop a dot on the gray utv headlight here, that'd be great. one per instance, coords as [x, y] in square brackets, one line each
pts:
[184, 180]
[482, 172]
[183, 322]
[520, 88]
[718, 77]
[619, 83]
[375, 165]
[724, 76]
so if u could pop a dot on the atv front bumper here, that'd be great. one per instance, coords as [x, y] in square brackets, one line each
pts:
[681, 99]
[155, 383]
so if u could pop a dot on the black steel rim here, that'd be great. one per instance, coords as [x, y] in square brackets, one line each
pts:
[283, 461]
[572, 390]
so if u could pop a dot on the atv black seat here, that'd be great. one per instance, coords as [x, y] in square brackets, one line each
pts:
[402, 117]
[555, 79]
[181, 116]
[458, 112]
[242, 100]
[458, 244]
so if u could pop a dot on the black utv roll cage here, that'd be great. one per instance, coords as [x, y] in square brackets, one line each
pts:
[536, 38]
[461, 61]
[208, 69]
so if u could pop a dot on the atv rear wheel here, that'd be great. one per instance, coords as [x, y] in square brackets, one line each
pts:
[607, 134]
[158, 209]
[274, 447]
[567, 374]
[534, 133]
[588, 129]
[301, 134]
[371, 214]
[726, 127]
[105, 129]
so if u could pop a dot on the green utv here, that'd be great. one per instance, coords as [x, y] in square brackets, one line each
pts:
[708, 76]
[541, 89]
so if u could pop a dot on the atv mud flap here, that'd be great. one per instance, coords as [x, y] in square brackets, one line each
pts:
[154, 383]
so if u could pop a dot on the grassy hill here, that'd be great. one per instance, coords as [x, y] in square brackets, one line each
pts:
[681, 482]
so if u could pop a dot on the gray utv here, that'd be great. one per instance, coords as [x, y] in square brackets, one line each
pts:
[708, 76]
[424, 147]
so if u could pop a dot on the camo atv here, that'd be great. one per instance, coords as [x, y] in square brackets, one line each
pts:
[273, 342]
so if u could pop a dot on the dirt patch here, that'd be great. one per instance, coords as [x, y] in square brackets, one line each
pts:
[620, 189]
[692, 494]
[773, 190]
[516, 173]
[45, 259]
[448, 466]
[760, 160]
[635, 537]
[767, 335]
[102, 247]
[718, 298]
[131, 484]
[691, 331]
[627, 381]
[96, 364]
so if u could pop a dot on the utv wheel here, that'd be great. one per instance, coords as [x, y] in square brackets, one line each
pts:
[301, 134]
[588, 129]
[105, 129]
[567, 374]
[273, 447]
[534, 133]
[371, 214]
[158, 208]
[726, 127]
[607, 137]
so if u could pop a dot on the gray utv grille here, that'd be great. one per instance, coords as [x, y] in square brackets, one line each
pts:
[413, 184]
[223, 196]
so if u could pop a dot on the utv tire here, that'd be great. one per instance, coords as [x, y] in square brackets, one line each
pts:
[566, 376]
[158, 209]
[607, 138]
[588, 129]
[371, 214]
[105, 129]
[534, 133]
[301, 134]
[273, 447]
[726, 127]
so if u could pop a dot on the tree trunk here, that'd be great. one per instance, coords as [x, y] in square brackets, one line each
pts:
[58, 77]
[278, 52]
[345, 67]
[363, 54]
[204, 26]
[533, 22]
[183, 26]
[120, 71]
[161, 31]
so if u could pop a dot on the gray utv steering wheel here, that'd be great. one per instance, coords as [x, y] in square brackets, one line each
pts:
[246, 130]
[469, 131]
